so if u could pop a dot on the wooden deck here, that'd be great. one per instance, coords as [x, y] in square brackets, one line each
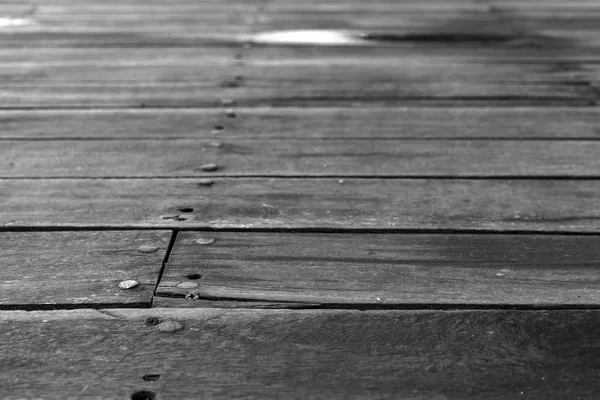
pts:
[332, 199]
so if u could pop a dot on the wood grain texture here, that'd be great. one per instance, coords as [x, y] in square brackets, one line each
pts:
[95, 23]
[301, 158]
[129, 55]
[507, 205]
[308, 354]
[194, 77]
[386, 269]
[184, 22]
[306, 76]
[304, 123]
[42, 269]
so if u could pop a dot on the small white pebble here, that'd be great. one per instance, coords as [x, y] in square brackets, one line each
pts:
[307, 36]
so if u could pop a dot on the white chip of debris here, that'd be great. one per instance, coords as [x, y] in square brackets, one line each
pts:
[8, 22]
[324, 37]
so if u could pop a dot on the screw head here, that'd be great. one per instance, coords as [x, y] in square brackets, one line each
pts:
[169, 326]
[147, 248]
[209, 167]
[205, 241]
[205, 182]
[152, 321]
[129, 284]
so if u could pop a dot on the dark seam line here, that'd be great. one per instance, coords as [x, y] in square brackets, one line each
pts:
[249, 138]
[321, 177]
[316, 306]
[164, 263]
[95, 306]
[326, 230]
[415, 306]
[335, 103]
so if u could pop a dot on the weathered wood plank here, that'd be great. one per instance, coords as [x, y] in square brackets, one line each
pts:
[342, 158]
[432, 269]
[297, 88]
[513, 18]
[122, 23]
[93, 22]
[276, 76]
[304, 123]
[530, 69]
[306, 76]
[78, 268]
[225, 354]
[507, 205]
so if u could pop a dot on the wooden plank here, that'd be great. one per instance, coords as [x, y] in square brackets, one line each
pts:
[341, 158]
[204, 65]
[304, 123]
[448, 50]
[295, 87]
[506, 205]
[95, 22]
[573, 20]
[389, 269]
[312, 76]
[280, 76]
[224, 354]
[61, 269]
[555, 72]
[122, 23]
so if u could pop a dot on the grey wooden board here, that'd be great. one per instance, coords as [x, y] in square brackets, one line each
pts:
[533, 64]
[301, 123]
[266, 354]
[360, 268]
[341, 158]
[507, 205]
[129, 23]
[78, 268]
[184, 22]
[188, 79]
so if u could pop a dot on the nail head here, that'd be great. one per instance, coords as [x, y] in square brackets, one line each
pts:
[151, 377]
[209, 167]
[205, 241]
[192, 296]
[152, 321]
[129, 284]
[205, 182]
[169, 326]
[147, 248]
[187, 285]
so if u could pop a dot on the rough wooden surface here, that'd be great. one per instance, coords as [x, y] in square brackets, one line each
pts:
[302, 158]
[307, 354]
[299, 123]
[191, 54]
[102, 91]
[116, 22]
[131, 23]
[386, 269]
[62, 269]
[506, 205]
